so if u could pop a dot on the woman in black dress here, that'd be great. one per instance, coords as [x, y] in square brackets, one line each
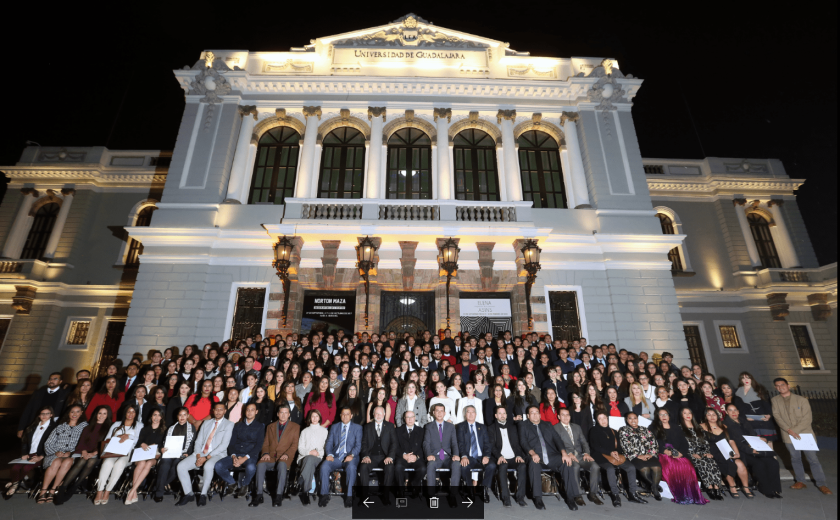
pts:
[764, 466]
[732, 466]
[581, 415]
[701, 454]
[604, 445]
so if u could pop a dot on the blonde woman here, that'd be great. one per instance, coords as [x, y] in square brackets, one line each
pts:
[637, 402]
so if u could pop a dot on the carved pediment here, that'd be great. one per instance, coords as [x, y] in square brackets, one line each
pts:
[410, 31]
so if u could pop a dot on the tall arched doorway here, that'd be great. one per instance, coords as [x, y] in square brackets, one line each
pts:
[410, 312]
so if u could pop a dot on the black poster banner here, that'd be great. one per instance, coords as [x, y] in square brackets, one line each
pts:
[329, 311]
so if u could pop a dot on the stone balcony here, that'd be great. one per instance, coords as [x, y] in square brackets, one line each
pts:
[31, 270]
[818, 276]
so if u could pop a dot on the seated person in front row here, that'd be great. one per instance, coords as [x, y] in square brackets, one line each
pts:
[278, 450]
[379, 449]
[342, 451]
[441, 448]
[578, 450]
[210, 446]
[410, 452]
[244, 450]
[474, 446]
[506, 450]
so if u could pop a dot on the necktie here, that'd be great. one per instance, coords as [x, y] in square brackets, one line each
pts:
[378, 429]
[569, 431]
[210, 438]
[542, 445]
[473, 442]
[409, 430]
[127, 384]
[441, 454]
[342, 441]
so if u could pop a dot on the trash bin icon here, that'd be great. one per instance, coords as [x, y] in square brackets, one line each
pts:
[433, 502]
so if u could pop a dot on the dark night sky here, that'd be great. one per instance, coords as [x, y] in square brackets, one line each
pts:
[759, 81]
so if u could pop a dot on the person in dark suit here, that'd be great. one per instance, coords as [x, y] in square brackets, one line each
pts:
[52, 395]
[578, 448]
[440, 446]
[475, 447]
[410, 452]
[129, 381]
[547, 452]
[506, 451]
[244, 450]
[342, 451]
[379, 450]
[556, 382]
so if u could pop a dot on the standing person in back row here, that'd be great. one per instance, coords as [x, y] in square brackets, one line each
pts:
[793, 415]
[52, 395]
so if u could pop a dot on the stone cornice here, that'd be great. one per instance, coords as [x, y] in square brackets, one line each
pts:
[97, 176]
[721, 185]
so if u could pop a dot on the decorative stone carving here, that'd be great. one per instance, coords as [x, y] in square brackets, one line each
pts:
[344, 114]
[289, 66]
[413, 31]
[377, 112]
[530, 70]
[402, 122]
[62, 155]
[506, 115]
[312, 111]
[443, 112]
[68, 191]
[408, 261]
[606, 92]
[209, 83]
[344, 118]
[540, 125]
[409, 115]
[485, 265]
[574, 117]
[329, 262]
[739, 202]
[245, 110]
[473, 117]
[779, 308]
[775, 202]
[23, 298]
[474, 121]
[279, 119]
[820, 309]
[29, 191]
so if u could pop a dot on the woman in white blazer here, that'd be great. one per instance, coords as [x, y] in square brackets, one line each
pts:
[469, 400]
[412, 401]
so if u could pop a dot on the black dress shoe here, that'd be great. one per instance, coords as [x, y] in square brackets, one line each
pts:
[594, 499]
[304, 498]
[277, 501]
[506, 503]
[452, 500]
[572, 505]
[656, 495]
[486, 496]
[579, 501]
[202, 500]
[616, 501]
[323, 501]
[539, 504]
[522, 502]
[230, 489]
[636, 498]
[158, 499]
[256, 501]
[348, 502]
[186, 499]
[777, 494]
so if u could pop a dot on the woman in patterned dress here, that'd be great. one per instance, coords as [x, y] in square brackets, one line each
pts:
[701, 454]
[677, 470]
[641, 450]
[60, 447]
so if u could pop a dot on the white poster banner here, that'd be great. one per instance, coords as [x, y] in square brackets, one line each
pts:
[486, 307]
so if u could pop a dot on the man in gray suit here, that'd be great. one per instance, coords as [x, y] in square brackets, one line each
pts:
[210, 446]
[578, 449]
[440, 444]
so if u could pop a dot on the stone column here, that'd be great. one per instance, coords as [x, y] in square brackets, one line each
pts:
[781, 235]
[755, 260]
[443, 116]
[376, 116]
[307, 156]
[407, 262]
[578, 175]
[329, 262]
[485, 265]
[506, 118]
[60, 220]
[20, 228]
[239, 171]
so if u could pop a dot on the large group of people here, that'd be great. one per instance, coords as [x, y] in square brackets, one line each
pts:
[398, 410]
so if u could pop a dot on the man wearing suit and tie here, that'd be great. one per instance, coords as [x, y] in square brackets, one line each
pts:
[273, 360]
[441, 448]
[578, 449]
[279, 449]
[243, 451]
[474, 446]
[506, 451]
[342, 451]
[379, 450]
[546, 451]
[410, 452]
[211, 445]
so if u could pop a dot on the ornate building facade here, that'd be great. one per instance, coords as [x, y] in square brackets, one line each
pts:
[399, 138]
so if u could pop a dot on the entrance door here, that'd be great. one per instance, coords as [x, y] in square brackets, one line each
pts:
[110, 346]
[695, 346]
[411, 312]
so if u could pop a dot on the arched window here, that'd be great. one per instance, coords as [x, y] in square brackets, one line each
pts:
[409, 165]
[476, 175]
[668, 229]
[39, 233]
[135, 249]
[275, 168]
[342, 164]
[760, 229]
[539, 164]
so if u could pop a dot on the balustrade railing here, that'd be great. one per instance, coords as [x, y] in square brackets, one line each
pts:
[332, 211]
[405, 212]
[485, 214]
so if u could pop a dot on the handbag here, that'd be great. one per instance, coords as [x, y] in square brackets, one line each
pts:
[616, 461]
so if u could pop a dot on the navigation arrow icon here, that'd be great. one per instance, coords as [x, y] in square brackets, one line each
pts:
[366, 503]
[468, 504]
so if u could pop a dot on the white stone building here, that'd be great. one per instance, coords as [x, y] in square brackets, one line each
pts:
[410, 134]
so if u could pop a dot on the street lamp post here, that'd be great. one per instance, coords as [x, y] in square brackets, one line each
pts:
[365, 252]
[448, 261]
[531, 252]
[282, 261]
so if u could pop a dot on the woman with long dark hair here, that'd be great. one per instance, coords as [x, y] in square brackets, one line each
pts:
[496, 399]
[167, 468]
[127, 430]
[321, 399]
[265, 406]
[729, 467]
[580, 413]
[82, 394]
[311, 445]
[756, 403]
[32, 448]
[550, 406]
[700, 452]
[684, 397]
[108, 395]
[290, 397]
[86, 454]
[677, 470]
[200, 404]
[157, 401]
[350, 399]
[613, 405]
[522, 400]
[592, 400]
[179, 400]
[59, 449]
[233, 405]
[151, 438]
[607, 452]
[763, 465]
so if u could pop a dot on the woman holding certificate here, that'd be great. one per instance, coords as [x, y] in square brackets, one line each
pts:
[174, 451]
[150, 440]
[32, 448]
[119, 443]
